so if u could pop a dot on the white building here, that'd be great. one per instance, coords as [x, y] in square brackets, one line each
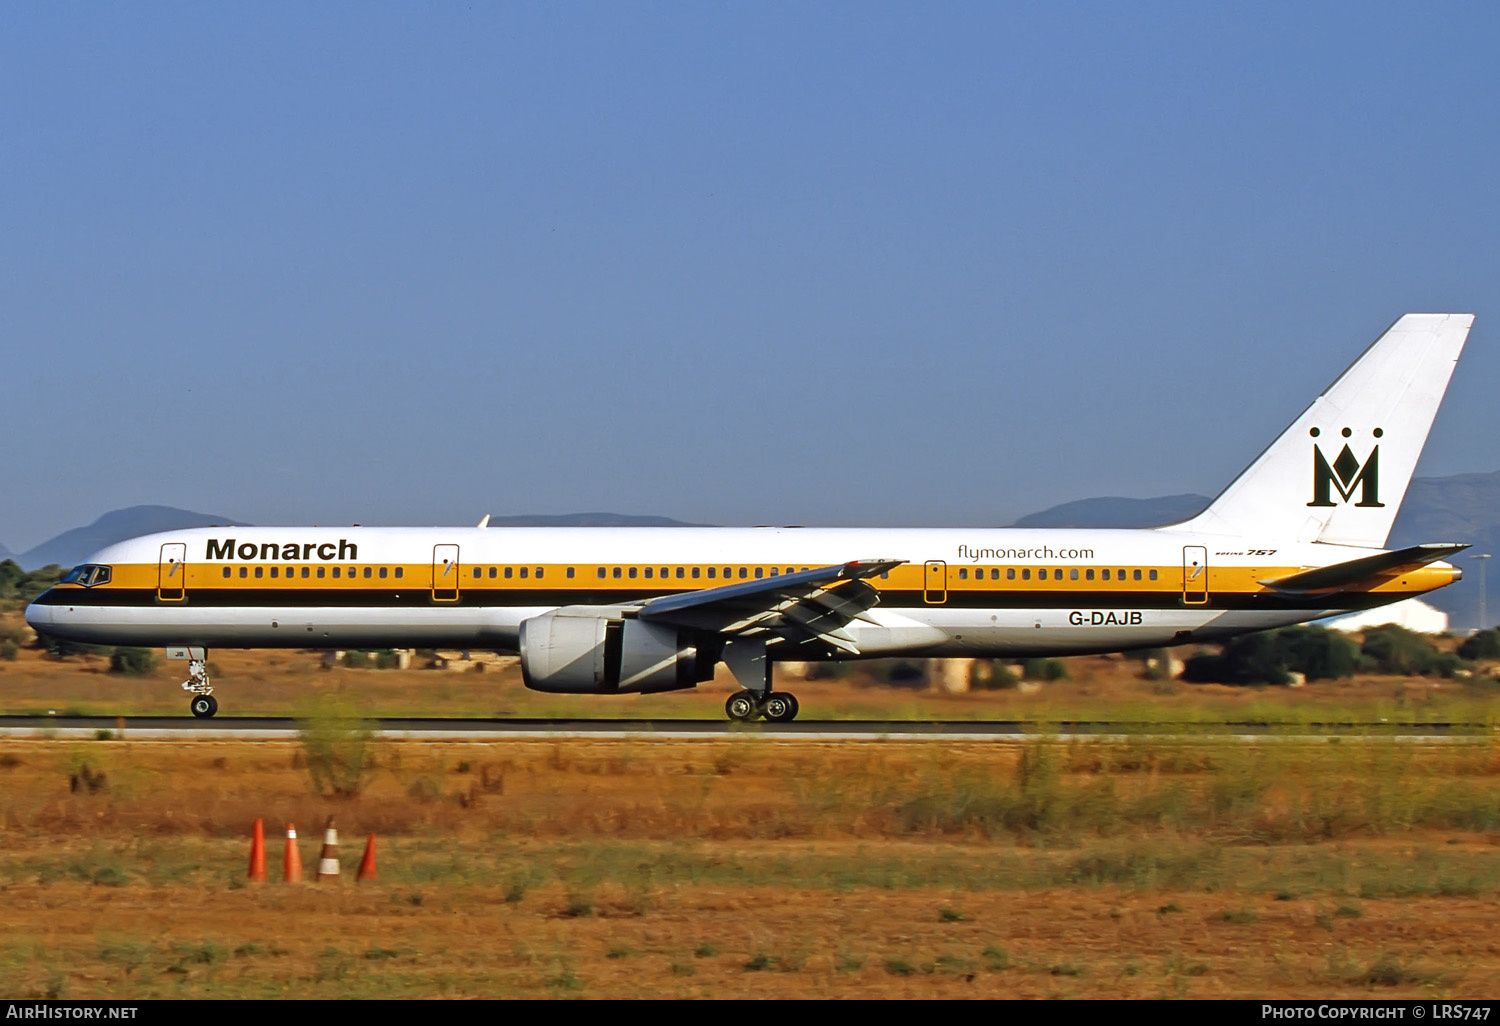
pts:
[1413, 614]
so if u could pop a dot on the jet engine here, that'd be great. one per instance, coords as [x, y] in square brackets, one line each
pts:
[582, 652]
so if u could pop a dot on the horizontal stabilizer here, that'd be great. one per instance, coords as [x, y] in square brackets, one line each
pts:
[1367, 570]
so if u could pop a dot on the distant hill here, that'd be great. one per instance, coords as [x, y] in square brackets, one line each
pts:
[586, 520]
[73, 547]
[1117, 512]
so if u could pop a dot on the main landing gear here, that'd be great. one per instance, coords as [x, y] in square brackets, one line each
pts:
[203, 704]
[748, 662]
[775, 706]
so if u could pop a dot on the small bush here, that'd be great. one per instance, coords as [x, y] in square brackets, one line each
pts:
[337, 748]
[1045, 670]
[9, 650]
[991, 675]
[135, 662]
[1392, 649]
[1483, 645]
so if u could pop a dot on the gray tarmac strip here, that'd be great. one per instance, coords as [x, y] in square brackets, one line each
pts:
[187, 728]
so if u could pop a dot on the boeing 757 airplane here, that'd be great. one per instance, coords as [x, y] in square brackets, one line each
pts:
[1299, 535]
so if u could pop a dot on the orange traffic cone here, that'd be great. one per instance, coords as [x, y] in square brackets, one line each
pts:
[293, 863]
[328, 859]
[258, 853]
[367, 864]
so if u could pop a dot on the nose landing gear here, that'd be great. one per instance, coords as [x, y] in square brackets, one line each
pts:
[203, 704]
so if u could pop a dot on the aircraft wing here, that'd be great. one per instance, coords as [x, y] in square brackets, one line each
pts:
[801, 606]
[1365, 571]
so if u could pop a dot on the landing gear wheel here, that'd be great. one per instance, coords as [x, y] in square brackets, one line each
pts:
[780, 707]
[742, 707]
[204, 706]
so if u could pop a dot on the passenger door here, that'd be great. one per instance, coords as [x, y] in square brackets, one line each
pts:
[935, 582]
[445, 573]
[1194, 575]
[171, 572]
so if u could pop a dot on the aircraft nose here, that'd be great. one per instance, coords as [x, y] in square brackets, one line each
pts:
[39, 617]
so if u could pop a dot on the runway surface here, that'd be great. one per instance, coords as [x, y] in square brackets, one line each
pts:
[185, 728]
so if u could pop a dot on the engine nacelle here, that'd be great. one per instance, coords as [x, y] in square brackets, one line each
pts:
[585, 653]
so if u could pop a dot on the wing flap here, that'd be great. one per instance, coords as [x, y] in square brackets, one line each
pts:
[809, 604]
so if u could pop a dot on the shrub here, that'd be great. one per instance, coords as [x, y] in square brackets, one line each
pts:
[133, 661]
[991, 675]
[1252, 659]
[1483, 645]
[1044, 669]
[1392, 649]
[1270, 657]
[9, 650]
[337, 747]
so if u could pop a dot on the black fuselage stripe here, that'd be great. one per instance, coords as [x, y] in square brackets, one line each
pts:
[409, 598]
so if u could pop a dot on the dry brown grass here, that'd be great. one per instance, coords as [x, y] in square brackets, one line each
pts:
[751, 867]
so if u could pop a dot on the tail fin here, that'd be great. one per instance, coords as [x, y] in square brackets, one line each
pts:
[1339, 473]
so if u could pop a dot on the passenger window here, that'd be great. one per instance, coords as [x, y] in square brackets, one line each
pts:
[478, 573]
[995, 574]
[601, 573]
[648, 573]
[1088, 575]
[493, 572]
[1041, 575]
[336, 571]
[244, 571]
[680, 573]
[539, 573]
[695, 573]
[569, 573]
[712, 572]
[631, 573]
[963, 574]
[367, 573]
[510, 572]
[1138, 575]
[524, 571]
[274, 571]
[1119, 575]
[1151, 574]
[259, 571]
[1104, 574]
[1026, 574]
[382, 573]
[226, 571]
[617, 573]
[322, 571]
[744, 573]
[759, 572]
[1072, 575]
[353, 572]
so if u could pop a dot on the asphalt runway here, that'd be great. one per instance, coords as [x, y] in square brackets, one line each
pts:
[187, 728]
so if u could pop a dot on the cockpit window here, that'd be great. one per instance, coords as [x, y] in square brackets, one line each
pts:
[88, 575]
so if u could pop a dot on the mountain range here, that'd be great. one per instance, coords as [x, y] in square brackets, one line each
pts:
[1464, 508]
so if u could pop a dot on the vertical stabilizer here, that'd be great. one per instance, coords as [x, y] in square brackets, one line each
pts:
[1339, 473]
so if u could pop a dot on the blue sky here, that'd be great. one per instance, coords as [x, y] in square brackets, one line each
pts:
[732, 263]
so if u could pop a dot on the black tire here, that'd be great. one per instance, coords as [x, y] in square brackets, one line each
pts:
[204, 706]
[780, 707]
[741, 707]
